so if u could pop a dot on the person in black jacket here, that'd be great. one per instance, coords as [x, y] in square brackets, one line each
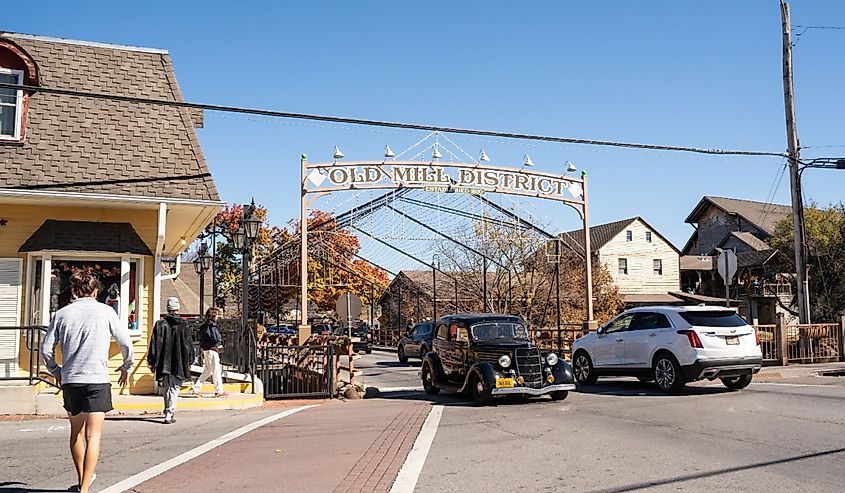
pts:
[170, 355]
[210, 341]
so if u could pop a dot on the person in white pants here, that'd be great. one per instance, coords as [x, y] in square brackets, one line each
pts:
[210, 340]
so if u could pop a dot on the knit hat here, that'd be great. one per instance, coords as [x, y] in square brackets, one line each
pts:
[173, 304]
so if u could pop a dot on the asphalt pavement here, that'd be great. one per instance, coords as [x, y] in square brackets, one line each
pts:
[619, 435]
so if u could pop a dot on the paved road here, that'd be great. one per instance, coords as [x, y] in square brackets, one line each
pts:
[620, 435]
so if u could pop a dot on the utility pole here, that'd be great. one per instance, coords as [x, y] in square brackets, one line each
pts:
[794, 176]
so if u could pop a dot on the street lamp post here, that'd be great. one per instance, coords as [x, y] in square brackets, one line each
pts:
[201, 265]
[242, 239]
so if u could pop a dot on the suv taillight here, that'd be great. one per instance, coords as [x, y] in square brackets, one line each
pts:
[694, 341]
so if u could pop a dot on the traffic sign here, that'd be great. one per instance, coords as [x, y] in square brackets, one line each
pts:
[726, 265]
[348, 307]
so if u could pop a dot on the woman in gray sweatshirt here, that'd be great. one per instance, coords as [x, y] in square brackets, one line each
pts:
[84, 329]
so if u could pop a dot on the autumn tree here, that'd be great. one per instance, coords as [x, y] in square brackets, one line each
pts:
[825, 242]
[228, 263]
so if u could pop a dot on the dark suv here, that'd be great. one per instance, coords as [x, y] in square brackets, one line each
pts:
[417, 342]
[489, 355]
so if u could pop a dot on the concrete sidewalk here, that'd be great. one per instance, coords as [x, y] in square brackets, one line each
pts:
[799, 371]
[353, 446]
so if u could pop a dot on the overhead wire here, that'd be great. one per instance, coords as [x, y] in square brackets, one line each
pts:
[380, 123]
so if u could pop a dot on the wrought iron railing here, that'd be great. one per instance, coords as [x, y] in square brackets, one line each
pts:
[32, 336]
[297, 371]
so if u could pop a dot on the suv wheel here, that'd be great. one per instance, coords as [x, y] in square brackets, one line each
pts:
[480, 395]
[428, 379]
[667, 374]
[401, 352]
[582, 366]
[736, 383]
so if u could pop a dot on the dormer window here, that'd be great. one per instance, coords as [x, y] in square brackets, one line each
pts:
[11, 105]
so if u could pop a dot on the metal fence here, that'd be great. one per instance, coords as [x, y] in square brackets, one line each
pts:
[237, 346]
[557, 339]
[769, 343]
[814, 343]
[386, 337]
[32, 336]
[297, 371]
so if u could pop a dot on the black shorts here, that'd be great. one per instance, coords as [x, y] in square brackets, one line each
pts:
[87, 398]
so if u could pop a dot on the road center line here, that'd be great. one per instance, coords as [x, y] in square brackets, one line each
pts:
[407, 478]
[185, 457]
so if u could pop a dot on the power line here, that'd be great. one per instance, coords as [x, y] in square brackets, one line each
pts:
[381, 123]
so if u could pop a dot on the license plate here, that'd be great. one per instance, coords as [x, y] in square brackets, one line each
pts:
[504, 383]
[732, 340]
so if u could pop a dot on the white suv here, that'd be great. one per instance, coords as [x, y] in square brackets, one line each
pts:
[671, 345]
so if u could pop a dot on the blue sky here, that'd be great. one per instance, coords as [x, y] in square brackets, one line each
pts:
[702, 74]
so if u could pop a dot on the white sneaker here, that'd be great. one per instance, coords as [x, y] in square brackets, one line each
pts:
[168, 418]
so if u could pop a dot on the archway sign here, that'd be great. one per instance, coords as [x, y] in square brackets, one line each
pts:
[318, 179]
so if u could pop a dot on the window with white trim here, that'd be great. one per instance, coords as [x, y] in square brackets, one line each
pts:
[11, 104]
[629, 235]
[623, 266]
[658, 267]
[648, 236]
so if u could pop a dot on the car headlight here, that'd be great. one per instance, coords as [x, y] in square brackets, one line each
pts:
[551, 359]
[504, 361]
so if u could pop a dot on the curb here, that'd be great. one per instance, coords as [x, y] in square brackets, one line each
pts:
[384, 349]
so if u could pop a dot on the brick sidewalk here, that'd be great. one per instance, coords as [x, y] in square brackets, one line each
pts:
[356, 446]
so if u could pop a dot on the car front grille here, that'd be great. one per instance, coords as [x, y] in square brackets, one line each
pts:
[530, 367]
[490, 355]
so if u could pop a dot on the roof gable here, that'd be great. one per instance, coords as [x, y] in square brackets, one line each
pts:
[86, 236]
[86, 145]
[602, 234]
[763, 215]
[747, 238]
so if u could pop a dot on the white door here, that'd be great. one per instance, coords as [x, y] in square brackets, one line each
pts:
[641, 338]
[609, 346]
[10, 309]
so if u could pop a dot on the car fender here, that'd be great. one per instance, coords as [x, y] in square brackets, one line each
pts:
[433, 361]
[562, 372]
[484, 371]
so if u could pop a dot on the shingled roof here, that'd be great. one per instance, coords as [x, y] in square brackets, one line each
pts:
[105, 147]
[764, 215]
[601, 234]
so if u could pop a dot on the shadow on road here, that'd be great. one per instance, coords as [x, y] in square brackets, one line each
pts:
[9, 487]
[624, 388]
[396, 364]
[147, 419]
[456, 400]
[728, 470]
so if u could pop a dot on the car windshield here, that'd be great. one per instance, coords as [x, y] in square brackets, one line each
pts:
[498, 330]
[716, 318]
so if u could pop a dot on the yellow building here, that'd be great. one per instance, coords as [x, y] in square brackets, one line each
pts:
[110, 187]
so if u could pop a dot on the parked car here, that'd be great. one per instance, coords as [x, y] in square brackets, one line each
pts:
[489, 355]
[283, 329]
[365, 338]
[417, 342]
[321, 329]
[671, 345]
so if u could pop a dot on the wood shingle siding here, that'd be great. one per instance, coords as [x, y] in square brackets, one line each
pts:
[640, 255]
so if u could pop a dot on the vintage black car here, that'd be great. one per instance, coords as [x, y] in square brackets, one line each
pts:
[489, 355]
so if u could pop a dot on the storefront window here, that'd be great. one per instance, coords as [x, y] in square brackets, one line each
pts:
[120, 280]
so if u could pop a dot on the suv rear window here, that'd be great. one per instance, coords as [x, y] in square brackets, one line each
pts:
[713, 319]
